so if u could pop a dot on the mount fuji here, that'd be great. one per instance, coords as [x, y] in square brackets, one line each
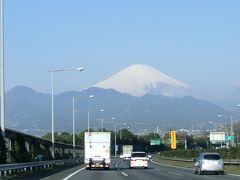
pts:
[139, 80]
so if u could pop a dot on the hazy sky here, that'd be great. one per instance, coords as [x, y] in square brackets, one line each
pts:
[196, 42]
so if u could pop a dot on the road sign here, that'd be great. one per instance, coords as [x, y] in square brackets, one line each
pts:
[173, 139]
[155, 142]
[229, 138]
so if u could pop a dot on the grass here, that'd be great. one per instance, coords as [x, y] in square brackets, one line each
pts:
[230, 169]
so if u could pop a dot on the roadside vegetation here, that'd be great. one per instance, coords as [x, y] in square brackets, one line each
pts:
[3, 149]
[140, 142]
[229, 169]
[232, 153]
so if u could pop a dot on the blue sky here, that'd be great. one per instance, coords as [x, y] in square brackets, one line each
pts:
[196, 42]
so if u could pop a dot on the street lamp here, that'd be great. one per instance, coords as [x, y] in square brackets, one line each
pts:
[215, 123]
[102, 110]
[123, 127]
[2, 70]
[115, 138]
[238, 105]
[91, 96]
[73, 101]
[52, 73]
[231, 122]
[73, 104]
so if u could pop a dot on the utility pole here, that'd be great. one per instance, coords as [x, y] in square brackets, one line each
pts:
[115, 140]
[232, 133]
[2, 69]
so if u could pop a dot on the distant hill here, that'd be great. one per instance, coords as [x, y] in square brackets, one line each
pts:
[30, 111]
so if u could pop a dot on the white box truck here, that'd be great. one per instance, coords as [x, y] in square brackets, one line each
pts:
[97, 149]
[127, 151]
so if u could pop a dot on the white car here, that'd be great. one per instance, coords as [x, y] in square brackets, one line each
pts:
[139, 159]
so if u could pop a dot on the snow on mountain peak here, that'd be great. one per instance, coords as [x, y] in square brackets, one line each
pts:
[140, 79]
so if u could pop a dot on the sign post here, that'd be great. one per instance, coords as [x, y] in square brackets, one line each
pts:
[173, 140]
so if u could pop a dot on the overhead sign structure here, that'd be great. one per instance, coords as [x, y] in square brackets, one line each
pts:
[173, 139]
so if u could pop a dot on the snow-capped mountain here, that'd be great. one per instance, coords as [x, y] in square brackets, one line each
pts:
[140, 79]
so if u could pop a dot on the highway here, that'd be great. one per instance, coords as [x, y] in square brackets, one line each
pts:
[119, 171]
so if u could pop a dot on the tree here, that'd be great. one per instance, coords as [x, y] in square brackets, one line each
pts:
[47, 136]
[3, 149]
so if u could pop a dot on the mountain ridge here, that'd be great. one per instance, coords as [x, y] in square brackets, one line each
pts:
[32, 112]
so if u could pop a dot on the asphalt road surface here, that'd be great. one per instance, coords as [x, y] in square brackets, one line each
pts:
[119, 171]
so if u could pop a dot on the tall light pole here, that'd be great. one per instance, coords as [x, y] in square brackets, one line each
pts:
[91, 96]
[124, 124]
[238, 105]
[2, 69]
[52, 73]
[102, 110]
[115, 138]
[73, 101]
[74, 144]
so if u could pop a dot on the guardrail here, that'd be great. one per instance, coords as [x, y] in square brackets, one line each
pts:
[8, 169]
[226, 161]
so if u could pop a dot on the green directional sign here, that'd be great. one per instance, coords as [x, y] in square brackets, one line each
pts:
[229, 138]
[155, 142]
[168, 141]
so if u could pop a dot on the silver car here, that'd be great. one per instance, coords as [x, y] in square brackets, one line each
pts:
[209, 162]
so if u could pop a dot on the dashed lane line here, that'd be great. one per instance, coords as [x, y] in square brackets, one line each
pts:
[177, 174]
[123, 173]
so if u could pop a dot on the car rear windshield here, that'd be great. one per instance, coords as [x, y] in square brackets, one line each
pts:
[138, 155]
[212, 157]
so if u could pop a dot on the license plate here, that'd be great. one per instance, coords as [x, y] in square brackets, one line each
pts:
[212, 162]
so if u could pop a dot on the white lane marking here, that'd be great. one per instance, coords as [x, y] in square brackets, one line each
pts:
[188, 168]
[117, 165]
[233, 175]
[68, 177]
[124, 173]
[177, 174]
[158, 169]
[172, 166]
